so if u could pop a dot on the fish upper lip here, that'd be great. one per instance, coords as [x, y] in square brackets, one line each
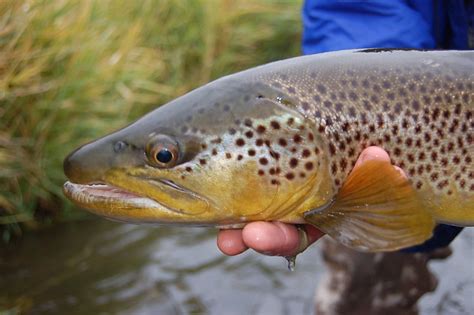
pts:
[102, 184]
[173, 185]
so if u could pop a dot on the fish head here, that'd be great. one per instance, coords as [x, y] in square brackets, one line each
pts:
[230, 152]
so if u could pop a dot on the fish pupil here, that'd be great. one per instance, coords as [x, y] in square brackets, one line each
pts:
[164, 156]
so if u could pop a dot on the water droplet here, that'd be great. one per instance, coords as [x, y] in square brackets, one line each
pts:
[291, 262]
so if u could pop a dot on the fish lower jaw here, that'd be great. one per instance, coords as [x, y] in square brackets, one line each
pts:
[94, 195]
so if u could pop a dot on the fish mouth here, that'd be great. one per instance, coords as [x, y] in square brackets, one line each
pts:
[120, 204]
[101, 192]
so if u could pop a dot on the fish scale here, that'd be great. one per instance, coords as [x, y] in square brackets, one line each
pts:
[421, 115]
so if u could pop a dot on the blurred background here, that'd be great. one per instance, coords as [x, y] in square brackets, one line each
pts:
[73, 70]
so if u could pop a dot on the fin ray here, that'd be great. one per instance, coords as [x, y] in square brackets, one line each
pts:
[375, 210]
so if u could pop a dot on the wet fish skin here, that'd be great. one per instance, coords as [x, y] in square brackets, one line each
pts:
[276, 141]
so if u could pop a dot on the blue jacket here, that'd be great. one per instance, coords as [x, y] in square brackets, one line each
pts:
[346, 24]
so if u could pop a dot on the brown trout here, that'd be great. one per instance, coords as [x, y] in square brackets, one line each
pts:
[278, 143]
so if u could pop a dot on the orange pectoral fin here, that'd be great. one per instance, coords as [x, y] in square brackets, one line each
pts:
[375, 210]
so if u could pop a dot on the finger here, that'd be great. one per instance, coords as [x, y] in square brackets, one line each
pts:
[313, 233]
[402, 172]
[372, 153]
[271, 238]
[230, 242]
[276, 238]
[376, 153]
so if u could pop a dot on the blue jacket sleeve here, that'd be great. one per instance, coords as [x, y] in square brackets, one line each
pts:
[442, 236]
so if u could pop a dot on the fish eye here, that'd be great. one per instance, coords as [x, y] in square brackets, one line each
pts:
[164, 156]
[162, 151]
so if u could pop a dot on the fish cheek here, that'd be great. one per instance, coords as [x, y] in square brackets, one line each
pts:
[235, 189]
[254, 195]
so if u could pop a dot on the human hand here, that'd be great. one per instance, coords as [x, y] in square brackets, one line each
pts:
[282, 239]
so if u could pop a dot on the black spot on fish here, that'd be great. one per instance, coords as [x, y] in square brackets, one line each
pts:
[327, 104]
[275, 155]
[293, 163]
[240, 142]
[321, 88]
[275, 124]
[353, 96]
[263, 161]
[261, 129]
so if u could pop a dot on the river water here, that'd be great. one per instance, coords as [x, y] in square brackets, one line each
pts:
[101, 267]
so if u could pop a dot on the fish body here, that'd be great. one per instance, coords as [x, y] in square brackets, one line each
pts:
[278, 143]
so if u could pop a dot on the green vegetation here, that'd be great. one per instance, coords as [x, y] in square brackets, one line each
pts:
[72, 70]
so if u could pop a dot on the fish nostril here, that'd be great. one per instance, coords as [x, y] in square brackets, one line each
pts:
[120, 146]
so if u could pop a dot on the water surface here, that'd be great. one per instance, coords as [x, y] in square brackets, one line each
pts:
[101, 267]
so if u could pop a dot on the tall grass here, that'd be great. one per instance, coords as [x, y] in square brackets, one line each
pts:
[72, 70]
